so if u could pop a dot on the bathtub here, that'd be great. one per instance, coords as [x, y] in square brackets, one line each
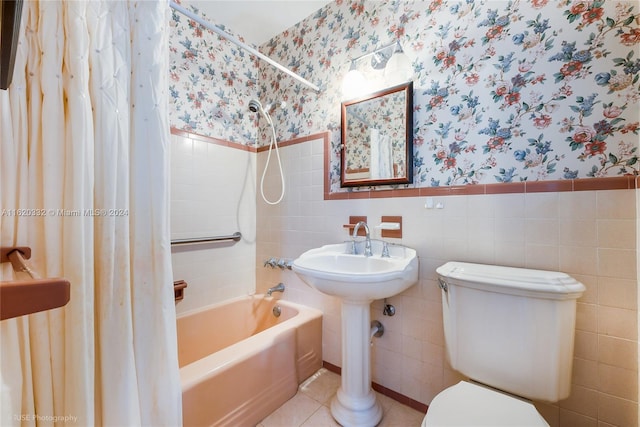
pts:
[239, 362]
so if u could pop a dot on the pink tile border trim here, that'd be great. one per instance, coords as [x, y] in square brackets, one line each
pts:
[211, 140]
[625, 182]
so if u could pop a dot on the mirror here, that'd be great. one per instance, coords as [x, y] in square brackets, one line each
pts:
[377, 138]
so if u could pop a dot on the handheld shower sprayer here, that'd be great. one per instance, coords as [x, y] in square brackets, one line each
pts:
[280, 104]
[255, 106]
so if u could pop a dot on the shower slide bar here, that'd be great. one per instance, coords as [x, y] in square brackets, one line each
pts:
[30, 293]
[240, 44]
[235, 237]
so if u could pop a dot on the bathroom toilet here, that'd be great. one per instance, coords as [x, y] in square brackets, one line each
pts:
[510, 331]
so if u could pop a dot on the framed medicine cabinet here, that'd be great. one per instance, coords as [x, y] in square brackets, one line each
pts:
[377, 138]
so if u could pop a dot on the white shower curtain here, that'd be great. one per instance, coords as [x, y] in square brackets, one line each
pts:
[85, 146]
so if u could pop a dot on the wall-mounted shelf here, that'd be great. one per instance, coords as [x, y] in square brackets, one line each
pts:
[31, 294]
[178, 289]
[395, 233]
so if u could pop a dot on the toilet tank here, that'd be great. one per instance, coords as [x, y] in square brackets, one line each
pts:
[510, 328]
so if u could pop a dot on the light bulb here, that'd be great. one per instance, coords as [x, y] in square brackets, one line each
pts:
[398, 69]
[354, 83]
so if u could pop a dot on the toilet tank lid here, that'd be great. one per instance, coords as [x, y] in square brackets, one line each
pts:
[511, 280]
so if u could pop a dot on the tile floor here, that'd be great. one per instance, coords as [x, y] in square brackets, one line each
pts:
[310, 406]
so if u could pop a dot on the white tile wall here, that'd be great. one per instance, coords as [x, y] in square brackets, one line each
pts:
[212, 193]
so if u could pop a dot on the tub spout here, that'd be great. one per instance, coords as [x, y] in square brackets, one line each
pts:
[279, 288]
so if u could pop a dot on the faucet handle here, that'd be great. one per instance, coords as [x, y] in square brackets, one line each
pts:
[283, 264]
[271, 262]
[385, 250]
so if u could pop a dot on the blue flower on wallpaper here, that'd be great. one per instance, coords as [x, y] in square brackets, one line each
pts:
[504, 62]
[506, 175]
[569, 174]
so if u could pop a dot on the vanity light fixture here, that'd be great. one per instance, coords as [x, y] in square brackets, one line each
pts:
[390, 58]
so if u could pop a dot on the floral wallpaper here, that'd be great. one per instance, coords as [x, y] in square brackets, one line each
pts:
[503, 90]
[211, 82]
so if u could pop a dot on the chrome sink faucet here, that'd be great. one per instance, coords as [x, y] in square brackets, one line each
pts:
[367, 245]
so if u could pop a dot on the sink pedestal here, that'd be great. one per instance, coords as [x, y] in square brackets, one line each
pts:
[357, 280]
[355, 403]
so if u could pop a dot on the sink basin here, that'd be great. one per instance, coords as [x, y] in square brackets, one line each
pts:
[332, 270]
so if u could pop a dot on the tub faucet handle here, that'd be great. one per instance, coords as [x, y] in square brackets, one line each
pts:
[271, 262]
[284, 264]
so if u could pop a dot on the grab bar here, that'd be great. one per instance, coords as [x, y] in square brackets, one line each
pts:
[235, 237]
[30, 294]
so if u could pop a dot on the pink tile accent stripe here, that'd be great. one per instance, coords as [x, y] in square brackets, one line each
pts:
[625, 182]
[211, 140]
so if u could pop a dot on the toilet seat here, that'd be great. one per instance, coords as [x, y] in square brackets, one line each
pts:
[467, 404]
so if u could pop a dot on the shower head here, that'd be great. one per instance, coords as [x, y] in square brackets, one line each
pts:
[255, 106]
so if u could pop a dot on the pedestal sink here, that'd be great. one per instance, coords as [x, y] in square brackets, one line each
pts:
[357, 280]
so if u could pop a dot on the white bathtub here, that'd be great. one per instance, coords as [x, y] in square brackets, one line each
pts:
[238, 362]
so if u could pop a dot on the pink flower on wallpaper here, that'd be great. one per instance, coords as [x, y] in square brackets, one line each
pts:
[631, 38]
[435, 5]
[494, 32]
[579, 7]
[566, 90]
[502, 89]
[512, 98]
[595, 148]
[525, 66]
[449, 61]
[495, 143]
[539, 4]
[358, 8]
[571, 68]
[542, 122]
[612, 112]
[631, 127]
[592, 15]
[450, 162]
[436, 101]
[472, 79]
[583, 134]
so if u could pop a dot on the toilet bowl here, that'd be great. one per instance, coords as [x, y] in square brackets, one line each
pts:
[468, 404]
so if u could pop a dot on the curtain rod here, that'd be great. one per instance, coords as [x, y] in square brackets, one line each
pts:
[238, 43]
